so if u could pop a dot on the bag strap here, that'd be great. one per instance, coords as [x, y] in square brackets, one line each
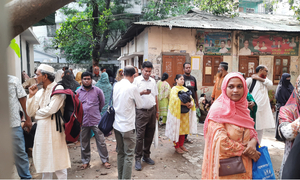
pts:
[252, 85]
[111, 95]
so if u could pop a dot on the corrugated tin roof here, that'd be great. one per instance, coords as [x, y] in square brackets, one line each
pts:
[197, 19]
[245, 21]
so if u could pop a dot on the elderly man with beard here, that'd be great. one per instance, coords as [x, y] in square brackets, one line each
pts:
[222, 72]
[260, 84]
[50, 152]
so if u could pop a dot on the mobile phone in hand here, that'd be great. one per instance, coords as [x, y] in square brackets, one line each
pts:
[149, 90]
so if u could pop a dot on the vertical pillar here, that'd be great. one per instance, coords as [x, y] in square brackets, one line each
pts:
[6, 155]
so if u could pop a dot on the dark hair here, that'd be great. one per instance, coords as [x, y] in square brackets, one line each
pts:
[66, 67]
[86, 73]
[102, 68]
[228, 40]
[50, 76]
[201, 45]
[224, 66]
[146, 64]
[110, 73]
[165, 76]
[130, 71]
[178, 76]
[259, 68]
[202, 95]
[246, 40]
[185, 64]
[223, 41]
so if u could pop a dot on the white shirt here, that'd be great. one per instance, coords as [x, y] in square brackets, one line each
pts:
[126, 98]
[142, 84]
[223, 50]
[264, 115]
[245, 51]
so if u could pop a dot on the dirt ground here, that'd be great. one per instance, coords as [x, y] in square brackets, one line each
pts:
[168, 164]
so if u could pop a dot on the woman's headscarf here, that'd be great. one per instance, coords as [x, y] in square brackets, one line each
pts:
[104, 84]
[119, 77]
[68, 81]
[201, 100]
[284, 89]
[224, 110]
[291, 111]
[78, 77]
[165, 76]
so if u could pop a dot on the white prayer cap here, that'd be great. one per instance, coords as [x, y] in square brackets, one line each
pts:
[46, 67]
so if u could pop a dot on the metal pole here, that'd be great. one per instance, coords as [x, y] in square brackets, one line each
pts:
[6, 156]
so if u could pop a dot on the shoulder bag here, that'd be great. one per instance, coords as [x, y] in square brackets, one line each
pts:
[233, 165]
[107, 120]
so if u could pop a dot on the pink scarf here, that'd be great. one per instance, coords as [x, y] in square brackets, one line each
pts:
[225, 110]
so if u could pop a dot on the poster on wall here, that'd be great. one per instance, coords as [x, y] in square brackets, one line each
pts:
[268, 44]
[213, 43]
[156, 71]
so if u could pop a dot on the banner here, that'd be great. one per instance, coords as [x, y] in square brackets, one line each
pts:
[213, 43]
[268, 44]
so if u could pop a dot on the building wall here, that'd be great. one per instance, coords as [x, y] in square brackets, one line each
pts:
[158, 41]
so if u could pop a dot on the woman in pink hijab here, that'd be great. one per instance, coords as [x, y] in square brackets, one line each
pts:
[229, 130]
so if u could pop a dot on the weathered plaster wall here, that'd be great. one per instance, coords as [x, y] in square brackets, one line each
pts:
[294, 69]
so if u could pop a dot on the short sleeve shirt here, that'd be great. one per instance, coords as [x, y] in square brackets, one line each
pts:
[16, 91]
[191, 83]
[142, 84]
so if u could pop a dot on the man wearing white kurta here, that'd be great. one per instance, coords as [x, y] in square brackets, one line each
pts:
[264, 115]
[50, 151]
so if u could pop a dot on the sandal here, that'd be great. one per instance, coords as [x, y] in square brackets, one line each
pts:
[184, 149]
[107, 165]
[85, 166]
[179, 151]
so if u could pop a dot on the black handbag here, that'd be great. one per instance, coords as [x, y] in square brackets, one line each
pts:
[107, 120]
[185, 98]
[233, 165]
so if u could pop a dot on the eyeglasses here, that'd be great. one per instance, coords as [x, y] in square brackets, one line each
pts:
[266, 70]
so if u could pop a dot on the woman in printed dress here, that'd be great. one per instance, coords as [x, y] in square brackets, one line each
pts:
[163, 97]
[179, 124]
[229, 130]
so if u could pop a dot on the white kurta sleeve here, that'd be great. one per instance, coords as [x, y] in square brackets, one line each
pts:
[31, 106]
[268, 83]
[55, 104]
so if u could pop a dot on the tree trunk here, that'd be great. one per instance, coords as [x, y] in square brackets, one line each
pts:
[25, 13]
[96, 38]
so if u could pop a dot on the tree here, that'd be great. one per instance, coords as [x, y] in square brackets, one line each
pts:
[219, 7]
[156, 10]
[85, 34]
[24, 14]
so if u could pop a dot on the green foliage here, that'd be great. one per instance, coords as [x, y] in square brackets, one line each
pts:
[219, 7]
[156, 10]
[78, 36]
[15, 47]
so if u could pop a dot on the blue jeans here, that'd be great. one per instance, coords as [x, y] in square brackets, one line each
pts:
[20, 155]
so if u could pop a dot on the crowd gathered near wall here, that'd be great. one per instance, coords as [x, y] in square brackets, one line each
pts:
[234, 118]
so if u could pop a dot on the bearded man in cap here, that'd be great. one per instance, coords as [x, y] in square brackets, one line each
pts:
[50, 152]
[222, 72]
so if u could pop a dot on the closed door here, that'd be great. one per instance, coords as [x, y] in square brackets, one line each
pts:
[247, 65]
[173, 65]
[210, 69]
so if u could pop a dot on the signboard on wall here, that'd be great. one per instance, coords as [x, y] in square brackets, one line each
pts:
[213, 43]
[268, 44]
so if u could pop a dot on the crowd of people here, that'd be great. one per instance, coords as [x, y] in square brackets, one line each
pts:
[234, 118]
